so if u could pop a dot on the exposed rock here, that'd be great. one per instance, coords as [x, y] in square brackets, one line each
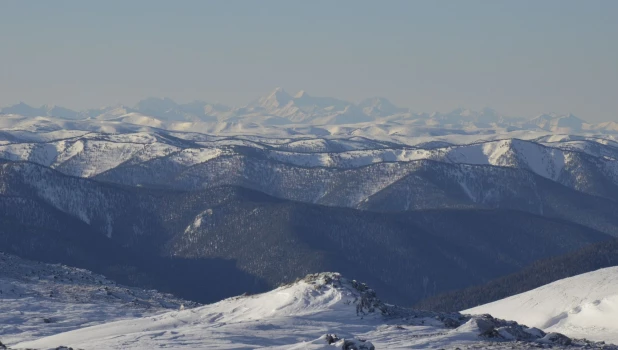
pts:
[557, 338]
[357, 344]
[347, 344]
[331, 338]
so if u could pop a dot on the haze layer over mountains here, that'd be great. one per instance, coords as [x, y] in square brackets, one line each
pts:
[281, 114]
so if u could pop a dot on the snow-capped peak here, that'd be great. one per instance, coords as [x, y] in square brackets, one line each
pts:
[379, 107]
[301, 94]
[558, 122]
[275, 99]
[21, 108]
[465, 116]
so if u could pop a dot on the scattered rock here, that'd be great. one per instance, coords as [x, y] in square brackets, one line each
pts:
[331, 338]
[347, 344]
[357, 344]
[557, 338]
[450, 323]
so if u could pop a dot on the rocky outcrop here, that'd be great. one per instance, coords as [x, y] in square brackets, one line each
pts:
[491, 328]
[348, 344]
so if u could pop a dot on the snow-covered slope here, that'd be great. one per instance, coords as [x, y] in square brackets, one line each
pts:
[581, 306]
[330, 152]
[338, 171]
[299, 316]
[585, 164]
[38, 300]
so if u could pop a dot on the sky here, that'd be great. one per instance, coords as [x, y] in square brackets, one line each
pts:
[521, 58]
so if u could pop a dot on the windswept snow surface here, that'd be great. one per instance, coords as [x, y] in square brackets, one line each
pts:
[298, 316]
[583, 306]
[38, 300]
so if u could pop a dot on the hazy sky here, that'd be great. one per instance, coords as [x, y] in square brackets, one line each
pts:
[519, 57]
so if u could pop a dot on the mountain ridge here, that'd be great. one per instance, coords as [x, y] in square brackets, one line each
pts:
[229, 223]
[279, 108]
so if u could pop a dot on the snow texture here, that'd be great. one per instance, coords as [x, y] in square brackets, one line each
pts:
[321, 311]
[583, 306]
[38, 300]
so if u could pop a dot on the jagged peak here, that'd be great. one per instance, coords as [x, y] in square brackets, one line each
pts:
[277, 98]
[301, 94]
[364, 298]
[278, 92]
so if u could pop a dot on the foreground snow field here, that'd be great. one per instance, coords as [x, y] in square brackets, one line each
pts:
[299, 316]
[37, 300]
[583, 306]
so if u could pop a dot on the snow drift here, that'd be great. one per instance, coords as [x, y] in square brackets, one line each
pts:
[583, 306]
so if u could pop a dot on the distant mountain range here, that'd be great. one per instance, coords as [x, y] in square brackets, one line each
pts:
[251, 241]
[537, 176]
[415, 204]
[278, 108]
[143, 206]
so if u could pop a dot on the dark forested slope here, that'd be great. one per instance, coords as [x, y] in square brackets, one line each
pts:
[590, 258]
[210, 244]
